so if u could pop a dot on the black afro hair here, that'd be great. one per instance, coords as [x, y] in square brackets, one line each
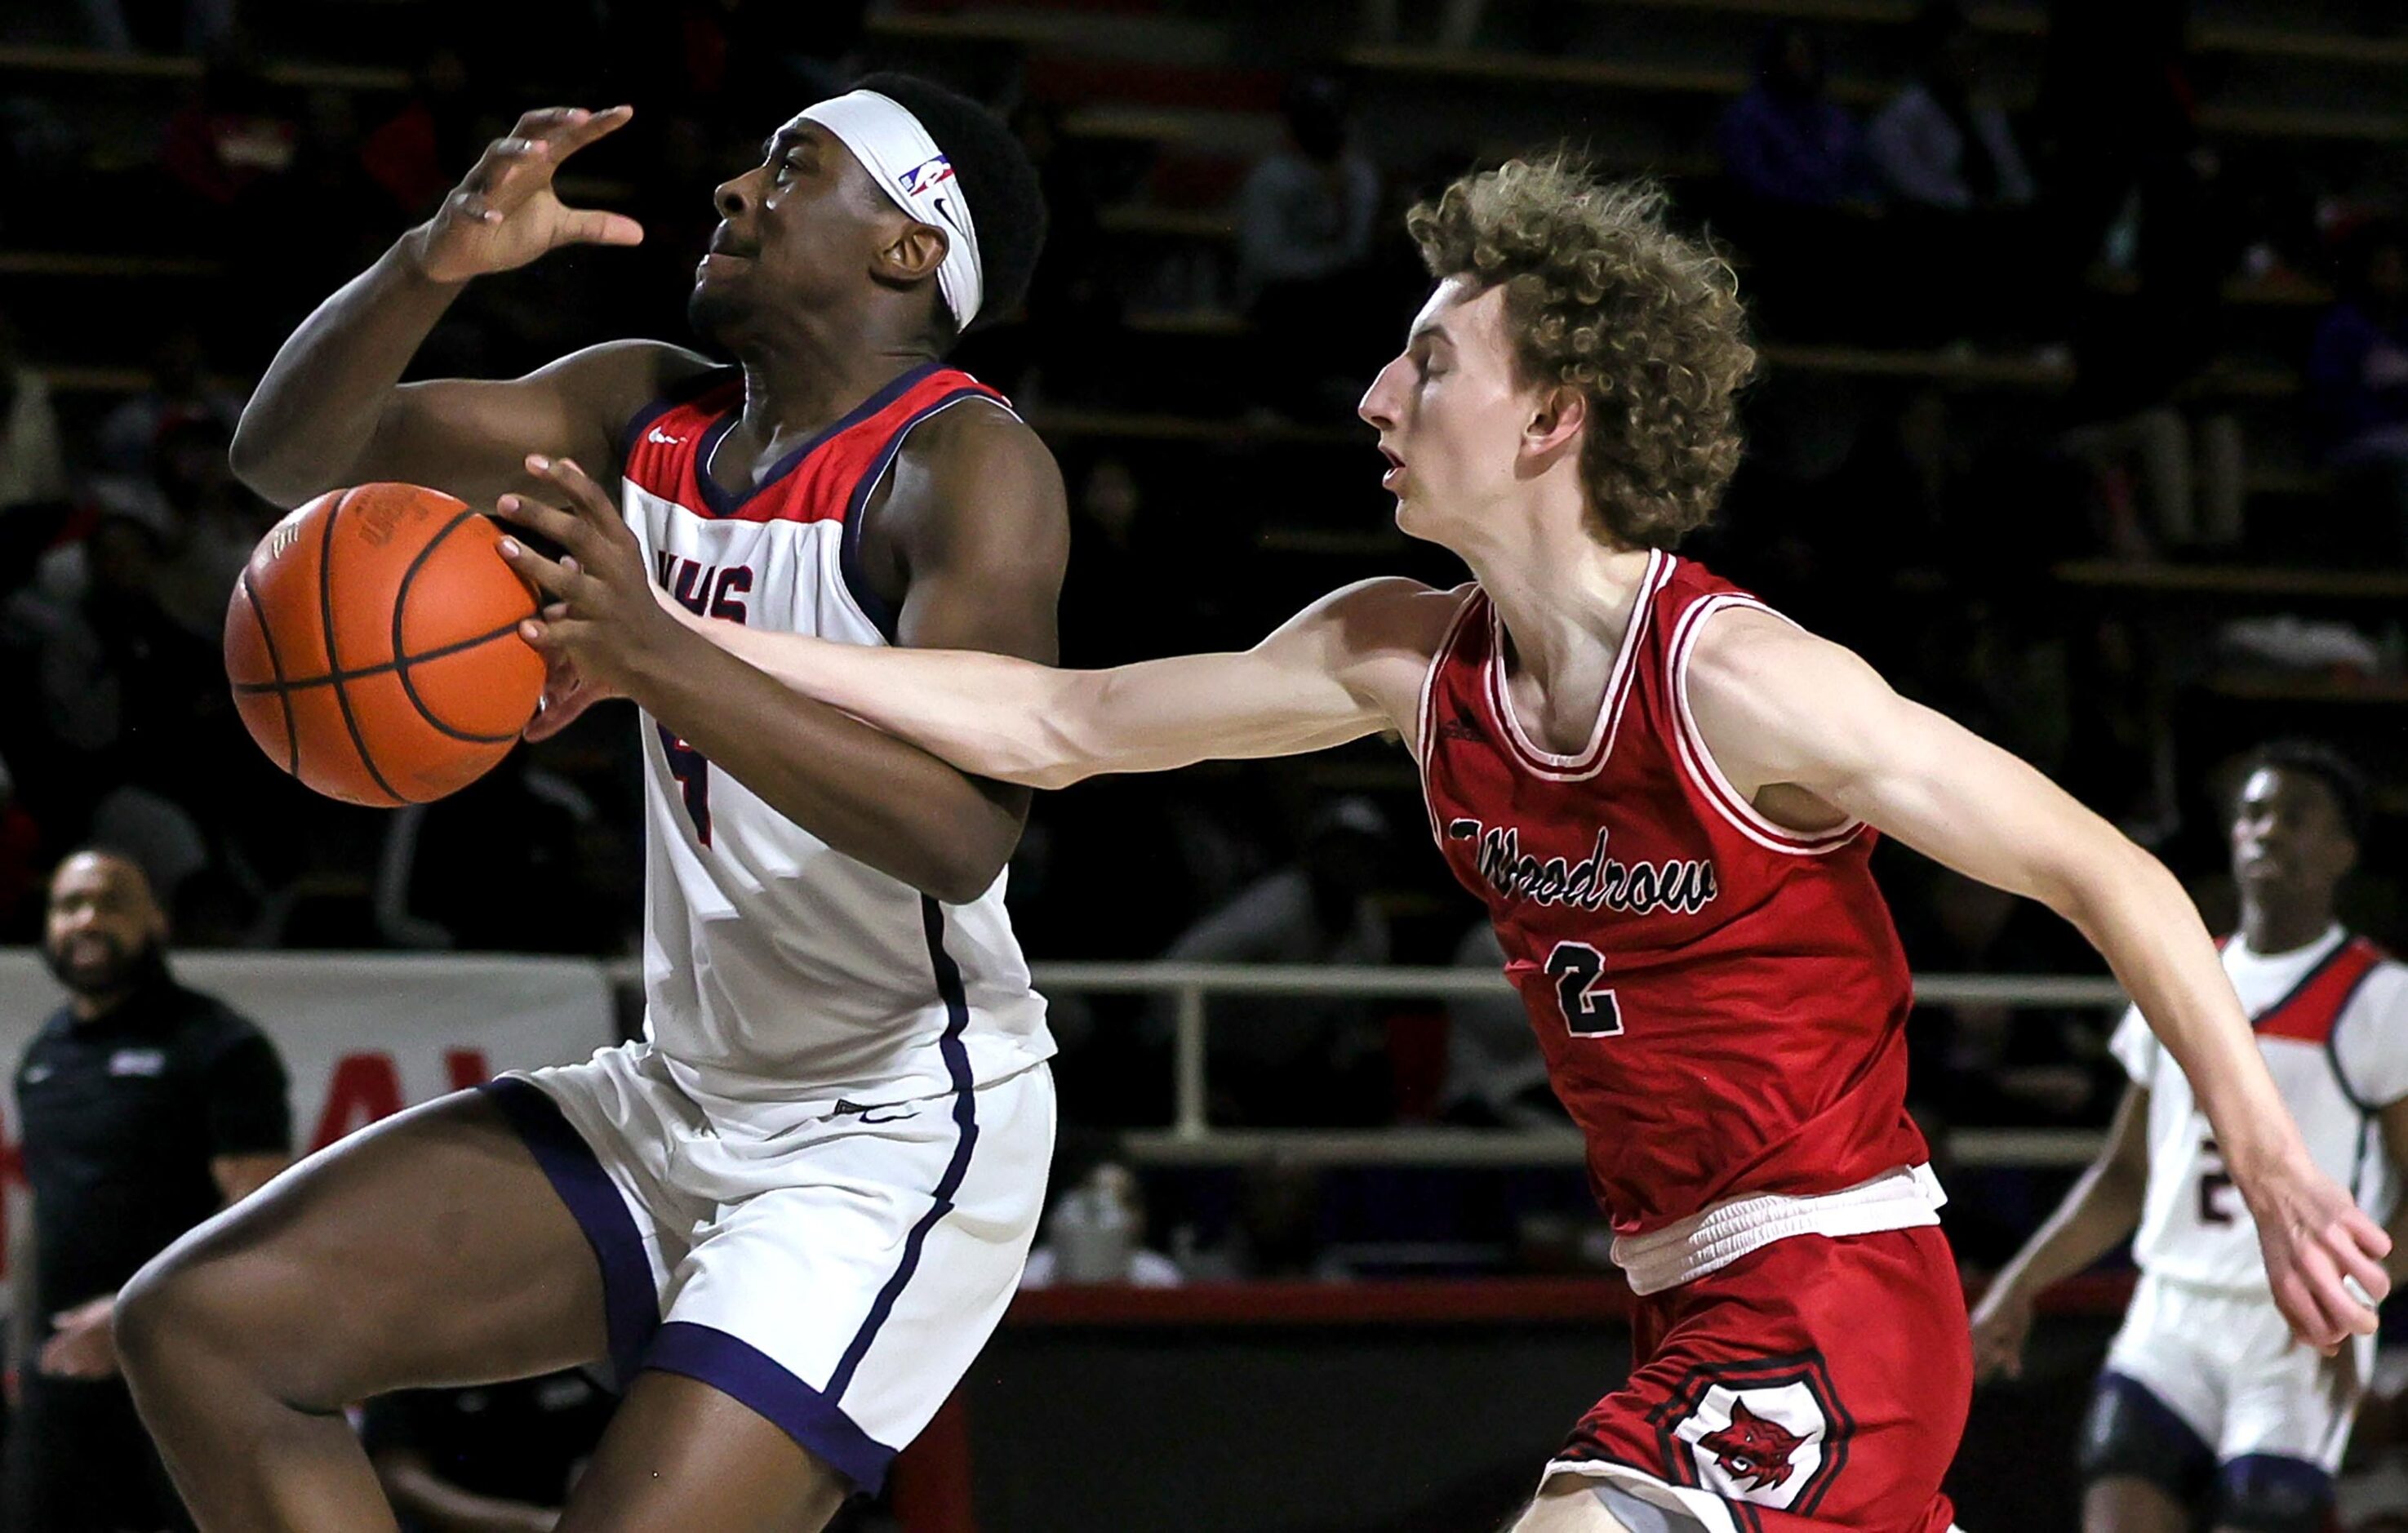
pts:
[997, 180]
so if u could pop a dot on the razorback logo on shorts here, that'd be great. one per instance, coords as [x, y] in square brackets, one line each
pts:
[1753, 1450]
[1770, 1433]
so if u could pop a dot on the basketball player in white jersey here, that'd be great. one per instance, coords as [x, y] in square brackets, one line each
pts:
[2206, 1406]
[1560, 415]
[790, 1215]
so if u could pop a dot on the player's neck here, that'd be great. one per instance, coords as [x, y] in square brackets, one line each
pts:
[810, 377]
[1564, 599]
[2269, 930]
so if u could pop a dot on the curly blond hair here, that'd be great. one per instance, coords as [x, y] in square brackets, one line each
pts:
[1601, 296]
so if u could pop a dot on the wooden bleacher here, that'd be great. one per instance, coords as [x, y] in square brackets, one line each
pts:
[75, 64]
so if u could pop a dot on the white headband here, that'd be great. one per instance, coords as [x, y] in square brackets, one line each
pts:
[896, 149]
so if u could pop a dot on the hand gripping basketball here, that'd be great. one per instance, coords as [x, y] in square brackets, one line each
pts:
[504, 213]
[602, 620]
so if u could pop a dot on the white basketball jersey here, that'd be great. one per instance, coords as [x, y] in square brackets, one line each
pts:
[2331, 1021]
[778, 969]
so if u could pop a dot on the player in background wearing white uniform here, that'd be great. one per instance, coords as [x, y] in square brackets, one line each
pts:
[792, 1215]
[2206, 1404]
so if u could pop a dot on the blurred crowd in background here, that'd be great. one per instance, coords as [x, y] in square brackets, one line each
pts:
[2093, 286]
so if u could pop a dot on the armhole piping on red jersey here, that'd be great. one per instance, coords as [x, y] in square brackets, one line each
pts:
[1619, 685]
[1429, 696]
[876, 609]
[1700, 761]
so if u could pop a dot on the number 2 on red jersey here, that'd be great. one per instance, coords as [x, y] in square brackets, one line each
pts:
[1587, 1002]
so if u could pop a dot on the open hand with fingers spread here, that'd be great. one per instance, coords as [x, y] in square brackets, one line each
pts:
[505, 213]
[601, 621]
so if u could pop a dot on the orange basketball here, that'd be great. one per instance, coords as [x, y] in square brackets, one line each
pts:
[373, 648]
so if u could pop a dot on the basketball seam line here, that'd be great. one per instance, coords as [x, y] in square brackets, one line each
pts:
[401, 668]
[442, 652]
[334, 661]
[283, 698]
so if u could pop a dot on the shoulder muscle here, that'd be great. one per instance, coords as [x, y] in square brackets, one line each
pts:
[1375, 637]
[1777, 704]
[978, 522]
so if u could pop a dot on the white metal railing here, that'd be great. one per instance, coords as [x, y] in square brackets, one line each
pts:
[1191, 1139]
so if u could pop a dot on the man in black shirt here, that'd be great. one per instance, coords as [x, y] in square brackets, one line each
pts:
[145, 1108]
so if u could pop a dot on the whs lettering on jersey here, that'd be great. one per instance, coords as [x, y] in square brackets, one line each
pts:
[1680, 886]
[708, 592]
[704, 591]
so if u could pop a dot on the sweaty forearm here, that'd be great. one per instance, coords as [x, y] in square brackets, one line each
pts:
[988, 714]
[315, 413]
[2139, 917]
[872, 795]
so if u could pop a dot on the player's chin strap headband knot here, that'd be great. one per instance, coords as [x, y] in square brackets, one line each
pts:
[896, 149]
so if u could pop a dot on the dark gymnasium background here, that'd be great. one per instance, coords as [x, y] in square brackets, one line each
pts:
[2079, 446]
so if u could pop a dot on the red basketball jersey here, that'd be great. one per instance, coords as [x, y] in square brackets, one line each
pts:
[1722, 1002]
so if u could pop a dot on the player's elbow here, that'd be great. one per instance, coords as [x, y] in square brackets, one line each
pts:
[2106, 875]
[960, 862]
[253, 461]
[962, 879]
[263, 464]
[1051, 776]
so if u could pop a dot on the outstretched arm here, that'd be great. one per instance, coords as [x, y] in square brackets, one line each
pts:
[867, 748]
[2100, 1212]
[1348, 666]
[1798, 722]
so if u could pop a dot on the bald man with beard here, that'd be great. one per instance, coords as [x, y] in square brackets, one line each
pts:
[145, 1109]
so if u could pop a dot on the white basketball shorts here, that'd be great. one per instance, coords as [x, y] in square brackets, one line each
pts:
[2226, 1363]
[836, 1273]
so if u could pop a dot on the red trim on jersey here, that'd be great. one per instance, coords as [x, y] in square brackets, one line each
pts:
[669, 455]
[2309, 1012]
[1591, 758]
[1699, 759]
[1472, 597]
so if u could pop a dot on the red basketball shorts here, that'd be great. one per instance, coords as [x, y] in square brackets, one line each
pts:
[1812, 1384]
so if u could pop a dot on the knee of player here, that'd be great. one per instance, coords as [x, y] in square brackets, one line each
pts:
[178, 1303]
[144, 1320]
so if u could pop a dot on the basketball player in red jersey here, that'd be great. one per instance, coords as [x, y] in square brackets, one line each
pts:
[788, 1283]
[1667, 796]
